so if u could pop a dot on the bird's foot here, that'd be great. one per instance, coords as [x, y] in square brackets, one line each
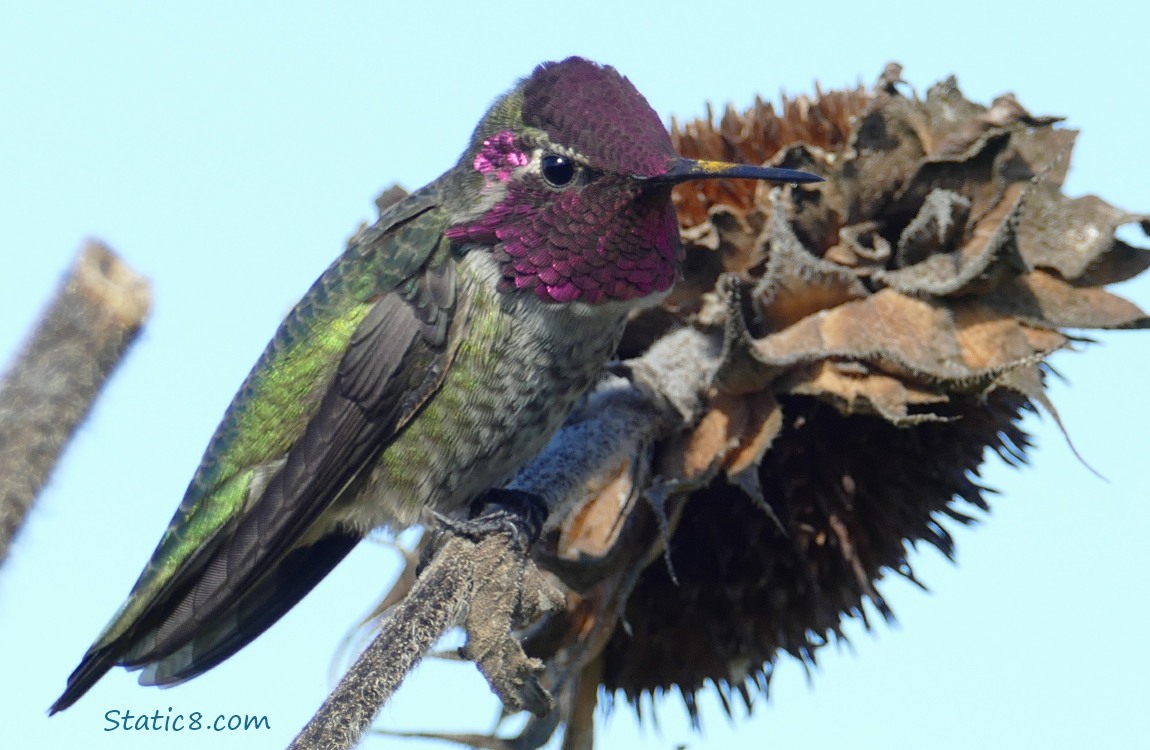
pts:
[521, 514]
[507, 592]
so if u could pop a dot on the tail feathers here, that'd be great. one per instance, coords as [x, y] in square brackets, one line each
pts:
[167, 663]
[93, 666]
[254, 612]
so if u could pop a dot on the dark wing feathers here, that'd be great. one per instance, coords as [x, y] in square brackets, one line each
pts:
[372, 372]
[355, 419]
[253, 612]
[255, 570]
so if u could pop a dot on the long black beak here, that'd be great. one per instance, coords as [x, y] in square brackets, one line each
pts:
[690, 169]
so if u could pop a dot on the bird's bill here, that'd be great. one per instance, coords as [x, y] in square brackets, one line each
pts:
[690, 169]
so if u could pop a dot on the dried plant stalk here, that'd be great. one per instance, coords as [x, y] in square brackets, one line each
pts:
[95, 316]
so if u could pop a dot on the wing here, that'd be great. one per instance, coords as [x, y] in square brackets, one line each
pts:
[347, 369]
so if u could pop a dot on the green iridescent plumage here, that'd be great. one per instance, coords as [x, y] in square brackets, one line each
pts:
[279, 399]
[433, 358]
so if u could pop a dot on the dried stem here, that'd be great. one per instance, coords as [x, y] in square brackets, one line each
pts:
[663, 394]
[93, 319]
[486, 581]
[406, 636]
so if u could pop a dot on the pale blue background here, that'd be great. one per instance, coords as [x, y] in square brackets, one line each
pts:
[227, 152]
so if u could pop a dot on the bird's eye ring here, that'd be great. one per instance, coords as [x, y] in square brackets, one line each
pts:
[558, 171]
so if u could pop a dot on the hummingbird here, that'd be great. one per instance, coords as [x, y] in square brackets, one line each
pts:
[430, 361]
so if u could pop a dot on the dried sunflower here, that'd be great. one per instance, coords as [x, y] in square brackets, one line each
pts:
[873, 336]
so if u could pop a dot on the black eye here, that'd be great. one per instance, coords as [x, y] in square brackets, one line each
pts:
[559, 171]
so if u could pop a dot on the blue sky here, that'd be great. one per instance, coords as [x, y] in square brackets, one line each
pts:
[227, 152]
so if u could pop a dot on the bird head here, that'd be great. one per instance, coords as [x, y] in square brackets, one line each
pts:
[568, 181]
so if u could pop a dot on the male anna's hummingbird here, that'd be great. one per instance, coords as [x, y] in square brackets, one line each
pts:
[430, 361]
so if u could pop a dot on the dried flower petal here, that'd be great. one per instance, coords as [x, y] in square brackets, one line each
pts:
[883, 332]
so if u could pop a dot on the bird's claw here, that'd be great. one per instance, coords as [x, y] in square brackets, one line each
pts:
[520, 514]
[508, 593]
